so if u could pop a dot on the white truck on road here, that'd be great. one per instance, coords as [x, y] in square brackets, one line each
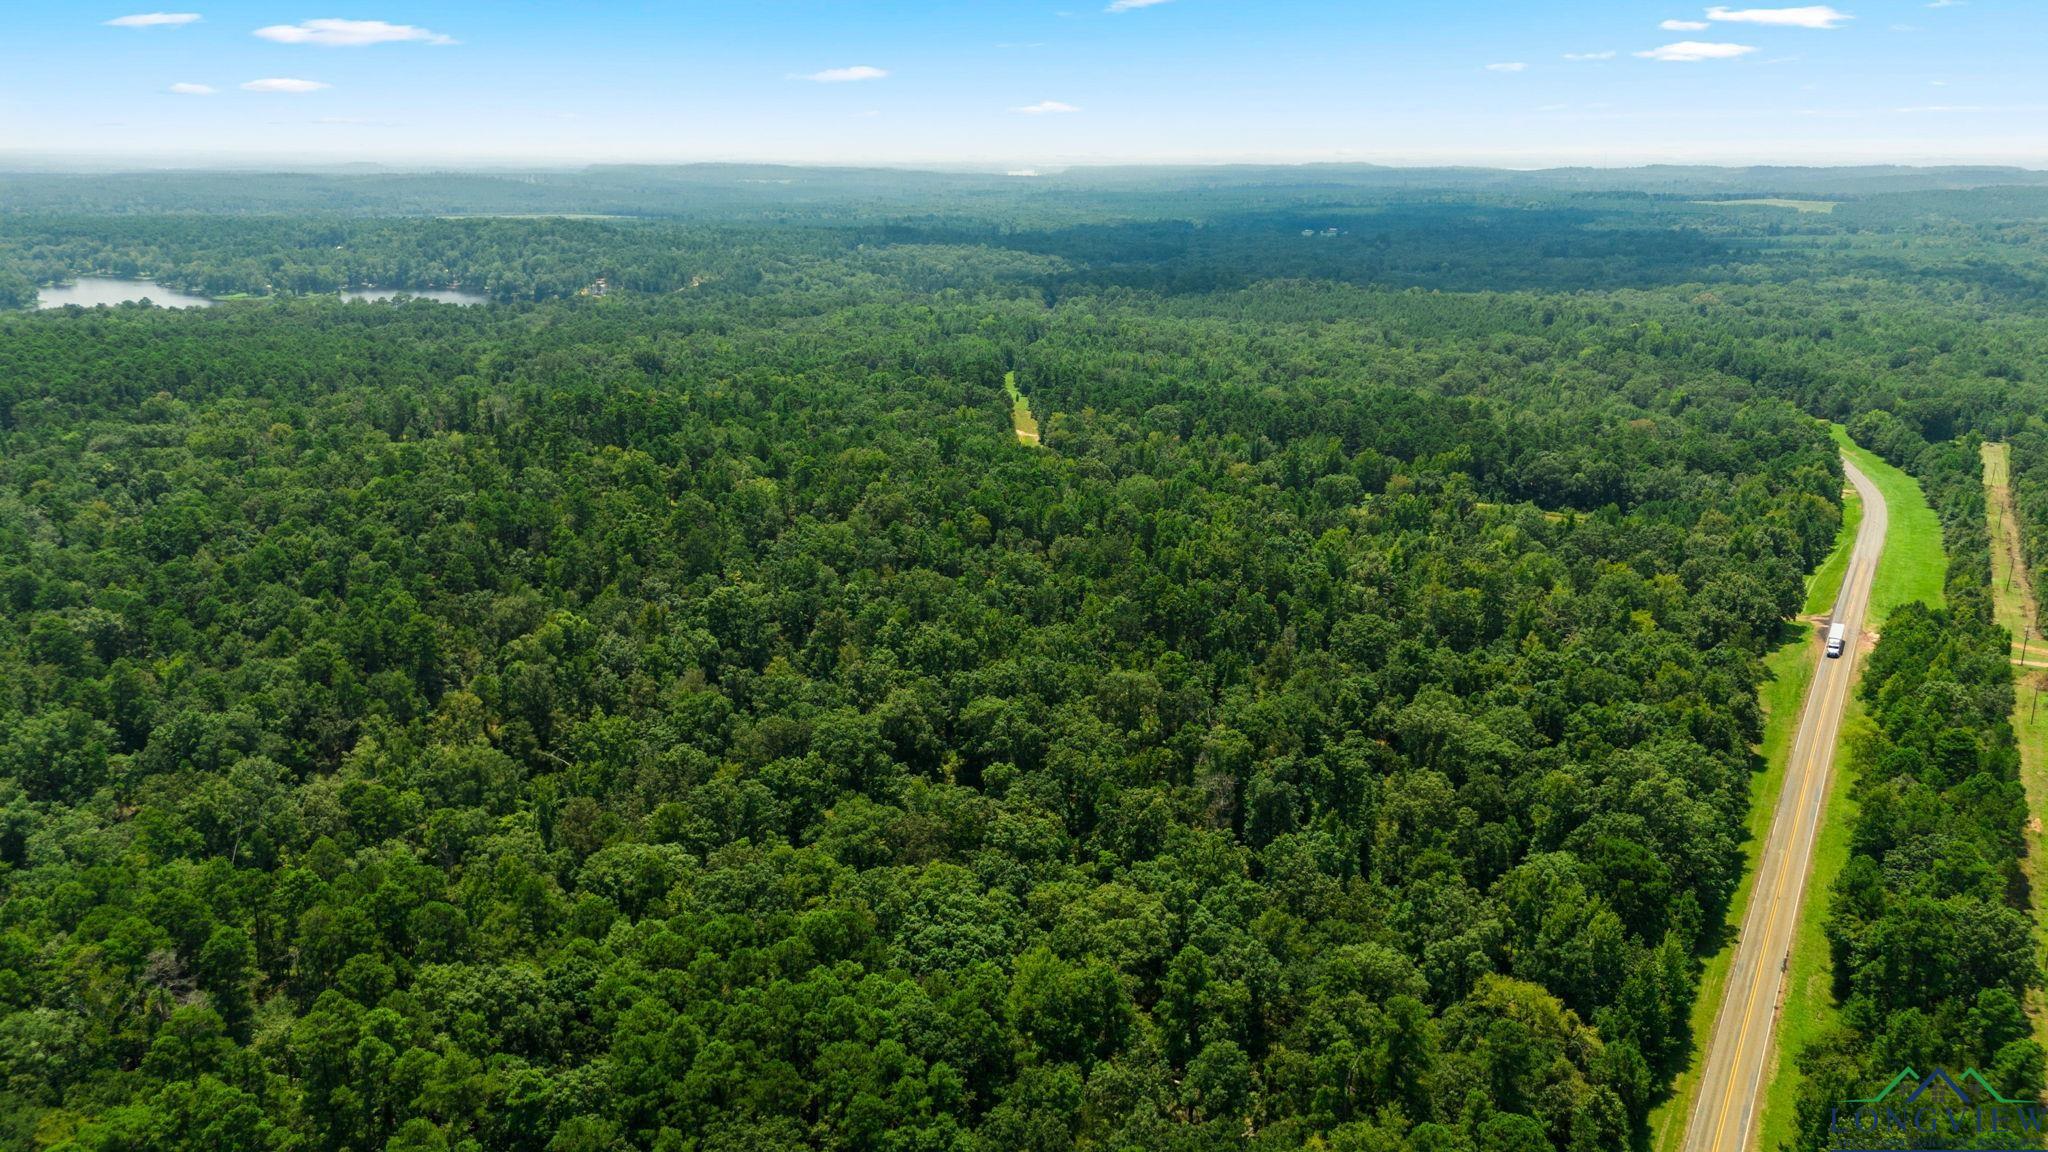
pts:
[1838, 635]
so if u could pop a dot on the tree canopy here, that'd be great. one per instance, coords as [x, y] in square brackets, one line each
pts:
[690, 719]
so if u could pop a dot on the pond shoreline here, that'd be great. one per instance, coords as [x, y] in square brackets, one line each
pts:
[96, 291]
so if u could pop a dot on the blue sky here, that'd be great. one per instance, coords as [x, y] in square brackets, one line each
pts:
[1020, 82]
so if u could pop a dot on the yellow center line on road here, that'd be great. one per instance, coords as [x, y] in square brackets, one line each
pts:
[1758, 965]
[1744, 1031]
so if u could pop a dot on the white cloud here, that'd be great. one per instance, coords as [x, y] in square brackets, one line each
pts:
[1514, 66]
[1691, 51]
[1045, 107]
[350, 33]
[1589, 55]
[284, 84]
[1947, 3]
[154, 20]
[1128, 5]
[1812, 16]
[847, 75]
[193, 89]
[1684, 25]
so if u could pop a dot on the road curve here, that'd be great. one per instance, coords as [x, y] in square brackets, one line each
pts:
[1733, 1082]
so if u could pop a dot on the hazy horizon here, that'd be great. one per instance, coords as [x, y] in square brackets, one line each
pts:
[106, 163]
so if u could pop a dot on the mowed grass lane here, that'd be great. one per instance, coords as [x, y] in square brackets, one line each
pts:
[2017, 609]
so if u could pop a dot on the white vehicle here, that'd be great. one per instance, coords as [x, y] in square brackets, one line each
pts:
[1838, 635]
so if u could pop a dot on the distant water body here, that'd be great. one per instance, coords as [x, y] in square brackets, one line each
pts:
[444, 295]
[88, 291]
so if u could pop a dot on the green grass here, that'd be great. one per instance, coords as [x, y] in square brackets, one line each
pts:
[2007, 599]
[2030, 724]
[2011, 593]
[1020, 411]
[2014, 610]
[1555, 517]
[1822, 207]
[1913, 562]
[1826, 582]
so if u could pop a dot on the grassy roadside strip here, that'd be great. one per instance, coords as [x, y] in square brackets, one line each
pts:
[1826, 582]
[1913, 565]
[2010, 598]
[1809, 1009]
[1790, 670]
[1911, 568]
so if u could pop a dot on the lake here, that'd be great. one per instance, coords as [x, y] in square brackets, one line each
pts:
[444, 295]
[87, 291]
[90, 290]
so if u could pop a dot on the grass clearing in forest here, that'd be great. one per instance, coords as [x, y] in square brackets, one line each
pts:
[1020, 411]
[2015, 607]
[1550, 514]
[2030, 726]
[1820, 207]
[2012, 591]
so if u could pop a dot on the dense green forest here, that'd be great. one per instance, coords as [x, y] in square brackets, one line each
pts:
[690, 719]
[1963, 235]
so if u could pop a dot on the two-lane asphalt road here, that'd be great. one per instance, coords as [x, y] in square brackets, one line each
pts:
[1733, 1083]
